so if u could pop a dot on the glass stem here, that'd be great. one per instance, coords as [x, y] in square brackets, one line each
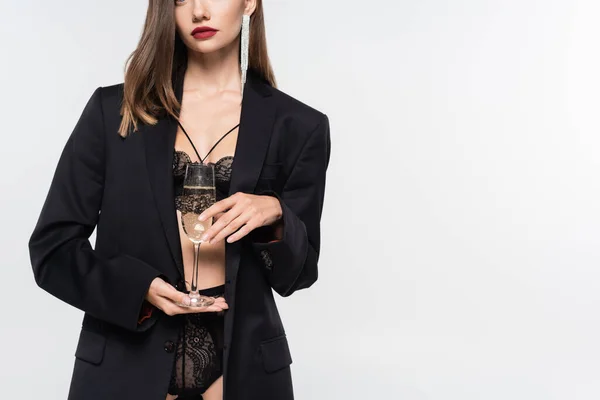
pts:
[195, 271]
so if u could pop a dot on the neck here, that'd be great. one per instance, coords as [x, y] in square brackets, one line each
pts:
[214, 72]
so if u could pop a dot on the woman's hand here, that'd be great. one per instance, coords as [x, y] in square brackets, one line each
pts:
[242, 211]
[164, 297]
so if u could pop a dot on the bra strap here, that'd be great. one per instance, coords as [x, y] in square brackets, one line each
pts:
[218, 141]
[192, 143]
[215, 145]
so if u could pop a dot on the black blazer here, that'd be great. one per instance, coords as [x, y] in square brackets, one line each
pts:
[124, 187]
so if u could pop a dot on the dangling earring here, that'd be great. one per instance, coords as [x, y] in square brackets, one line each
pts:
[245, 41]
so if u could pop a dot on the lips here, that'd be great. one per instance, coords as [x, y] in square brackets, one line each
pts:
[203, 32]
[201, 29]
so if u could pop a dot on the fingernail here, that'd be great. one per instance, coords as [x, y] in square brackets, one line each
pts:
[204, 238]
[201, 217]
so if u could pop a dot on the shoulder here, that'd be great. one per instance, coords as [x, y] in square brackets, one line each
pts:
[300, 128]
[107, 101]
[111, 95]
[299, 118]
[293, 107]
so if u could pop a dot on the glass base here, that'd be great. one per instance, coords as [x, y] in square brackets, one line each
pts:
[197, 300]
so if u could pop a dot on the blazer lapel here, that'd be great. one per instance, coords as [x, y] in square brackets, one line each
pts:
[254, 134]
[159, 143]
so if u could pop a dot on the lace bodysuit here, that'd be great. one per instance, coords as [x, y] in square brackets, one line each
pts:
[198, 358]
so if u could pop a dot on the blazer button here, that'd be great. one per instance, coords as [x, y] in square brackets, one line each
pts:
[169, 346]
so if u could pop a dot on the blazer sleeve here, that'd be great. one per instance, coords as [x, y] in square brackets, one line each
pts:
[64, 263]
[291, 262]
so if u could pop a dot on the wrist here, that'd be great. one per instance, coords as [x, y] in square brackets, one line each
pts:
[278, 223]
[279, 210]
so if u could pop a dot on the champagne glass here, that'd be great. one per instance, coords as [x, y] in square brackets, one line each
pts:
[198, 194]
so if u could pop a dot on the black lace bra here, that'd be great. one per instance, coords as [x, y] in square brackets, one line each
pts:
[222, 170]
[222, 175]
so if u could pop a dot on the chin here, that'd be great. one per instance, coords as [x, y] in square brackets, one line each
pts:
[206, 47]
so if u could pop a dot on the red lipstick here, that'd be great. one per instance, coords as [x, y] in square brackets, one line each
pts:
[203, 32]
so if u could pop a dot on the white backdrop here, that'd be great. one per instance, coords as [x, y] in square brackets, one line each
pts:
[460, 231]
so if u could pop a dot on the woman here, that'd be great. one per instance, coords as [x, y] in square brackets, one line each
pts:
[186, 89]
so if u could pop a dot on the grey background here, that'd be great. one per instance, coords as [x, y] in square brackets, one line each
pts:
[460, 231]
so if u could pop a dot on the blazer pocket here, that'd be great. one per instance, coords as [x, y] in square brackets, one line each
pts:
[91, 346]
[275, 353]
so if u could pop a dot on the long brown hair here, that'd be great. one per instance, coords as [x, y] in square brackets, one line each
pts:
[160, 57]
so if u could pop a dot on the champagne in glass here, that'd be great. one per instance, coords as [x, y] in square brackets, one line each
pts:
[198, 194]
